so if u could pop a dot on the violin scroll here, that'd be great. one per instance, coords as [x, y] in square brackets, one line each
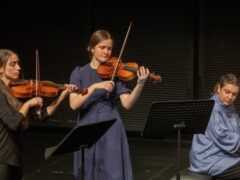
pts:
[156, 78]
[83, 92]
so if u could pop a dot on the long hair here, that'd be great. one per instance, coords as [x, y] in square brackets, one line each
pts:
[97, 37]
[5, 55]
[229, 78]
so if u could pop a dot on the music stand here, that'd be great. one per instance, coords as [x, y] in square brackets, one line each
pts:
[80, 137]
[188, 117]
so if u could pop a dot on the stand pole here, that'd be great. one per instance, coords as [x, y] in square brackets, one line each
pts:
[82, 171]
[178, 127]
[178, 154]
[168, 117]
[78, 139]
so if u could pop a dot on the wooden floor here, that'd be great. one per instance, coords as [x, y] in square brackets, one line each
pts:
[152, 159]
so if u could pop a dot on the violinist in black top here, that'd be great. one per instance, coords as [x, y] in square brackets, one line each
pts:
[14, 115]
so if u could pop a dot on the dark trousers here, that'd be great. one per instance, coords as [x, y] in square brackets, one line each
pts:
[232, 173]
[8, 172]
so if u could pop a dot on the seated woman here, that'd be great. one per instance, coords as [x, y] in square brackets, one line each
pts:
[217, 151]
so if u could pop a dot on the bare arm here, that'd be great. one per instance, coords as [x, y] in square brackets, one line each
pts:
[54, 105]
[128, 100]
[30, 103]
[77, 100]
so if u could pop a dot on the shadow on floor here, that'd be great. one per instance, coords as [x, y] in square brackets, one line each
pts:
[152, 159]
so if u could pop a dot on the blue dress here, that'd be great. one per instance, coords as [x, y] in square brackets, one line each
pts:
[215, 151]
[108, 158]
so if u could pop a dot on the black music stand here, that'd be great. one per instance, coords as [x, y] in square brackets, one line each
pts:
[188, 117]
[80, 137]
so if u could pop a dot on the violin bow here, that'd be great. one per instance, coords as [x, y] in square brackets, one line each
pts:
[37, 80]
[121, 52]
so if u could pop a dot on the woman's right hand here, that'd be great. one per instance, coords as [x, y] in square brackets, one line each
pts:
[107, 85]
[37, 101]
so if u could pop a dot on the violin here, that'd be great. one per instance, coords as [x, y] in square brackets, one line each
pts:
[125, 71]
[28, 88]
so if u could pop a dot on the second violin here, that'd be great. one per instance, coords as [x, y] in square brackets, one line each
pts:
[29, 88]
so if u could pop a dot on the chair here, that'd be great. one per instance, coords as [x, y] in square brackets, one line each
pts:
[186, 174]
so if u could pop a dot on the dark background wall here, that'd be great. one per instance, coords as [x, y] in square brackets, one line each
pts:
[189, 43]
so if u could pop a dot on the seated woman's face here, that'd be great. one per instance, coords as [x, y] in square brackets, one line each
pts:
[228, 94]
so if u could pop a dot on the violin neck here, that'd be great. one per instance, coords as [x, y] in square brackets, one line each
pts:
[128, 68]
[152, 76]
[56, 85]
[45, 83]
[132, 69]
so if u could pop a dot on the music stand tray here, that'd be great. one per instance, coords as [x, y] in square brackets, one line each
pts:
[80, 137]
[171, 117]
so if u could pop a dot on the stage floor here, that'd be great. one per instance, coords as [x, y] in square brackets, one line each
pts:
[152, 159]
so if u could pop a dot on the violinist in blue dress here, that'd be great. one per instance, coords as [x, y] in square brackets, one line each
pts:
[108, 158]
[217, 152]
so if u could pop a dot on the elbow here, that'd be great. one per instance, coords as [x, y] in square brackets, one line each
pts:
[14, 126]
[126, 106]
[73, 107]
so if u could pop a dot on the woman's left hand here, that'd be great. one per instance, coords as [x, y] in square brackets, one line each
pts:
[69, 88]
[142, 74]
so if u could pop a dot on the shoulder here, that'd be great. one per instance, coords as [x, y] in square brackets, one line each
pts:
[79, 72]
[80, 69]
[217, 104]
